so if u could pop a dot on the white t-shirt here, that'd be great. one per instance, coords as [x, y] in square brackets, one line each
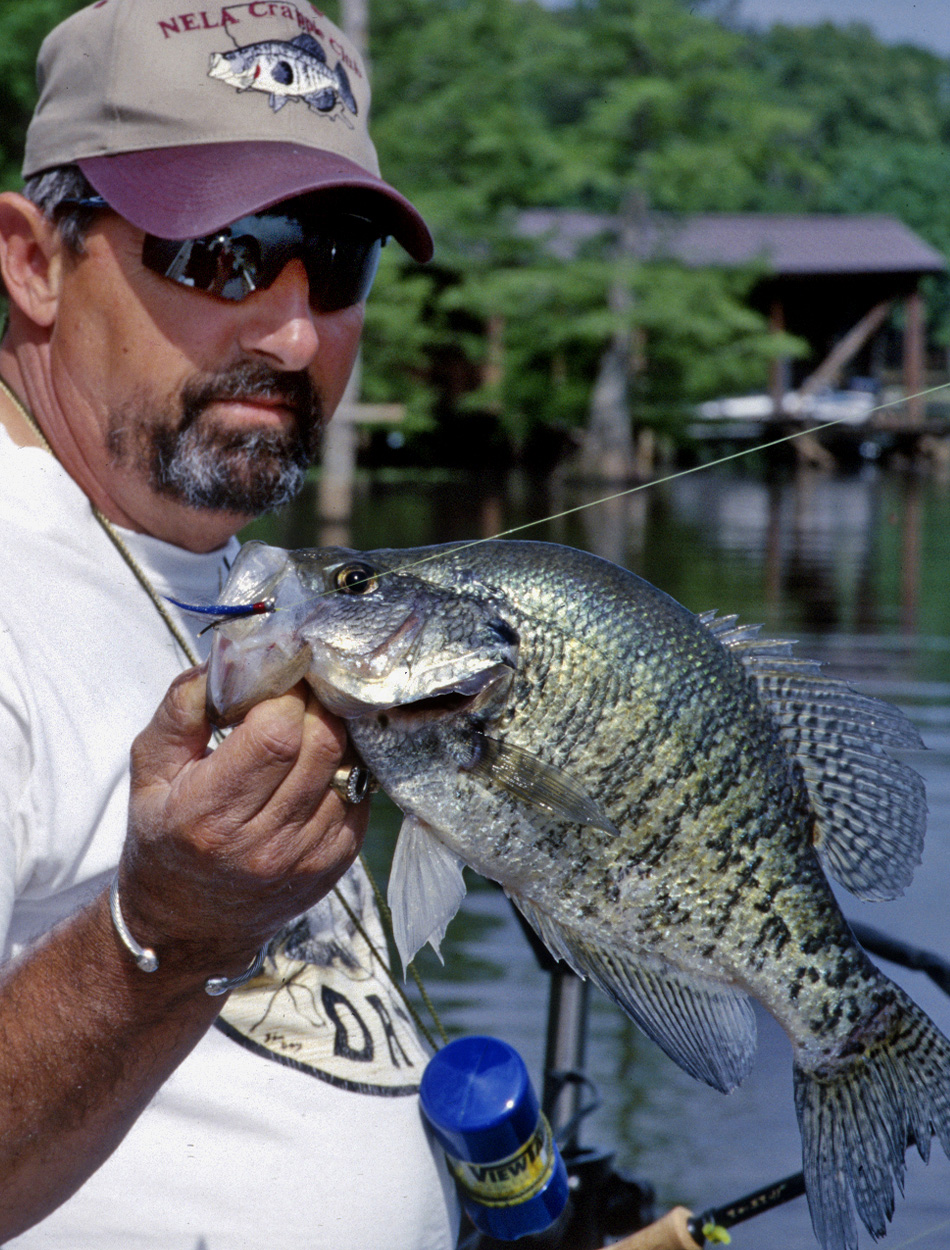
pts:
[294, 1123]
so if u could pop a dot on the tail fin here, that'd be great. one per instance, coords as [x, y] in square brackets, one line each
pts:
[859, 1111]
[344, 88]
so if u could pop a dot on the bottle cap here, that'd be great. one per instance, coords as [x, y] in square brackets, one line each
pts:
[478, 1097]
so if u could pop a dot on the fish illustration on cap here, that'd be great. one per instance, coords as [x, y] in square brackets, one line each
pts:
[295, 69]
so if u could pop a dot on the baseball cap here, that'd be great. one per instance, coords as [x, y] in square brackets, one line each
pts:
[185, 122]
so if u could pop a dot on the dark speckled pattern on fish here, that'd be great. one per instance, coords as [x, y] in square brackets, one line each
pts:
[639, 701]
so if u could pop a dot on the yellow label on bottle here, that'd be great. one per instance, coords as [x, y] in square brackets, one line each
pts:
[510, 1181]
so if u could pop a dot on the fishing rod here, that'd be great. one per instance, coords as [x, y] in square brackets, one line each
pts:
[679, 1229]
[591, 1171]
[903, 954]
[568, 1095]
[605, 1202]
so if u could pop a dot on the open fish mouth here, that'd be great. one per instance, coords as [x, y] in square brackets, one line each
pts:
[472, 695]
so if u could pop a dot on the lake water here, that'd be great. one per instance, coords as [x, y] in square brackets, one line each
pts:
[855, 568]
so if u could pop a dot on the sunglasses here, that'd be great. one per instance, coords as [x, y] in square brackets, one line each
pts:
[248, 255]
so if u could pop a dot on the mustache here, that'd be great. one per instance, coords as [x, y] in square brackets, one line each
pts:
[257, 380]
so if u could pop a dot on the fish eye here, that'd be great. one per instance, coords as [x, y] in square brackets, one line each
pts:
[355, 579]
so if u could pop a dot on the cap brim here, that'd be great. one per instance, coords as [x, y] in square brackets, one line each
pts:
[187, 192]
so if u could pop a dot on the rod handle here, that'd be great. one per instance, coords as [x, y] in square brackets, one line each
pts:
[671, 1232]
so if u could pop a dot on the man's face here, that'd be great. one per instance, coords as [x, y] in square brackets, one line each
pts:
[185, 400]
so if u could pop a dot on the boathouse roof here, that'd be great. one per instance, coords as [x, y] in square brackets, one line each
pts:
[789, 245]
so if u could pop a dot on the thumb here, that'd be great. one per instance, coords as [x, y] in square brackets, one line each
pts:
[177, 734]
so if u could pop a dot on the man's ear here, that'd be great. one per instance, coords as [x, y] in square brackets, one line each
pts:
[31, 258]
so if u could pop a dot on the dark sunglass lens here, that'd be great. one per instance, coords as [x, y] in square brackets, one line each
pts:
[341, 268]
[259, 248]
[168, 257]
[204, 264]
[250, 254]
[238, 268]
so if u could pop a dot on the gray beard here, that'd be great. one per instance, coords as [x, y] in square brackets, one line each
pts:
[251, 473]
[248, 472]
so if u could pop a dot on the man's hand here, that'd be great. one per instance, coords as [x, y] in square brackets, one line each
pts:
[226, 846]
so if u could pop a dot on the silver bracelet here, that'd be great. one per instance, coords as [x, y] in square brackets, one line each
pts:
[147, 960]
[220, 985]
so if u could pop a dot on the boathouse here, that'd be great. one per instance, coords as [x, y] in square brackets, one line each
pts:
[831, 279]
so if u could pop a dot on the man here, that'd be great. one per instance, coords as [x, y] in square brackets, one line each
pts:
[155, 396]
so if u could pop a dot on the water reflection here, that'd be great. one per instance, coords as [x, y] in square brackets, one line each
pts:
[856, 568]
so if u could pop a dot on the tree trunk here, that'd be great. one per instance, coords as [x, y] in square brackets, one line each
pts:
[607, 450]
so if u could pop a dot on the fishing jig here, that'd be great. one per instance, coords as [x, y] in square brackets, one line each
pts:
[225, 611]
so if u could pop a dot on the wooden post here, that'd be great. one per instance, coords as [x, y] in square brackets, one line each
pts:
[914, 356]
[338, 466]
[493, 370]
[778, 365]
[335, 488]
[910, 557]
[845, 350]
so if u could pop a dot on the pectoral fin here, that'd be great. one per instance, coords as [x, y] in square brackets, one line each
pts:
[538, 784]
[426, 888]
[708, 1028]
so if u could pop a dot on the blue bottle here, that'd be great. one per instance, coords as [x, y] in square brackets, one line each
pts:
[478, 1098]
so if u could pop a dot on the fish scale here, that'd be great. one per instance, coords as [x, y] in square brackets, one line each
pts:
[660, 793]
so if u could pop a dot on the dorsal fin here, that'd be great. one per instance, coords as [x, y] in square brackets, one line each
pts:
[870, 808]
[307, 43]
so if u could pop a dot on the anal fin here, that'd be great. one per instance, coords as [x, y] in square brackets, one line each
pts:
[706, 1027]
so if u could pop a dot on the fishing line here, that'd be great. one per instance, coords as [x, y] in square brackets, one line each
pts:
[712, 1223]
[928, 1232]
[248, 609]
[632, 490]
[671, 477]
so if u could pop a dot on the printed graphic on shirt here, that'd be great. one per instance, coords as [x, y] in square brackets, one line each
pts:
[325, 1006]
[291, 70]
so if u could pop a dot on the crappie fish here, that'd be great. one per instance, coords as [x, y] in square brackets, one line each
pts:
[660, 793]
[293, 69]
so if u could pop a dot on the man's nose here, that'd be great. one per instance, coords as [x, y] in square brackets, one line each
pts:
[278, 324]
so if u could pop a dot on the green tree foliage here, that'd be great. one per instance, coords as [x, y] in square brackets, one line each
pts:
[671, 109]
[853, 88]
[485, 108]
[878, 133]
[23, 26]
